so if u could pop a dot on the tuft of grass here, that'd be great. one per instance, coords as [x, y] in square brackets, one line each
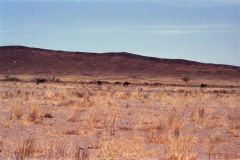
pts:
[112, 131]
[125, 128]
[16, 111]
[61, 150]
[79, 94]
[174, 121]
[146, 95]
[35, 114]
[180, 148]
[25, 148]
[71, 132]
[198, 115]
[126, 147]
[155, 134]
[81, 153]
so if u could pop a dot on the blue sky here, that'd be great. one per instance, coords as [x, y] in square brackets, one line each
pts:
[199, 30]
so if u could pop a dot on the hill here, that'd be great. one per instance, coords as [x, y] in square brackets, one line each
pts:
[35, 61]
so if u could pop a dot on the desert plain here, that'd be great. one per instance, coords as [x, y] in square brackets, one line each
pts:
[84, 121]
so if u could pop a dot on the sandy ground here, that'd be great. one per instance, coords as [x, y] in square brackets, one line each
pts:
[82, 121]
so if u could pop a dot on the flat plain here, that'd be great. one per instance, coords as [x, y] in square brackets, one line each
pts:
[112, 122]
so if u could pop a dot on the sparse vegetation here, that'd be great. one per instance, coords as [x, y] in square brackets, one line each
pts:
[61, 150]
[48, 115]
[25, 148]
[40, 80]
[9, 78]
[81, 153]
[16, 111]
[138, 122]
[186, 79]
[35, 114]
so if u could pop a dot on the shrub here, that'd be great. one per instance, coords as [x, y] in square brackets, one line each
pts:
[48, 115]
[79, 94]
[186, 79]
[117, 83]
[157, 84]
[35, 114]
[39, 80]
[8, 78]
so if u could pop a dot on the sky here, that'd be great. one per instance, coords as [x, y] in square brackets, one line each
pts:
[200, 30]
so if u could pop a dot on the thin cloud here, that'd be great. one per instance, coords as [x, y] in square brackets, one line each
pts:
[177, 32]
[163, 29]
[190, 29]
[148, 29]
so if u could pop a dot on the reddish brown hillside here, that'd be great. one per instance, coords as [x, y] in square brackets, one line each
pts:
[33, 61]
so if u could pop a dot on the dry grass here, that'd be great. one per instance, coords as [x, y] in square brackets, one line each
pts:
[35, 114]
[61, 150]
[25, 148]
[81, 153]
[137, 122]
[123, 147]
[16, 111]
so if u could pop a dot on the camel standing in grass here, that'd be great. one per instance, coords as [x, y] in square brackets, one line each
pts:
[203, 85]
[99, 83]
[125, 84]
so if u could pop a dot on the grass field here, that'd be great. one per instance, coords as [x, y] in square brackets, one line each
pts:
[112, 122]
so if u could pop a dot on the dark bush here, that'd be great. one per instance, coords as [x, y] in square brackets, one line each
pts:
[215, 91]
[93, 82]
[157, 84]
[79, 94]
[223, 91]
[117, 83]
[40, 80]
[48, 115]
[181, 91]
[8, 78]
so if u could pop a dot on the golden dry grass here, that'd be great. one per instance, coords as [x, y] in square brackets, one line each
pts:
[83, 121]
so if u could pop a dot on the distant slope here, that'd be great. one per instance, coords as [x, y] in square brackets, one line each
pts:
[34, 61]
